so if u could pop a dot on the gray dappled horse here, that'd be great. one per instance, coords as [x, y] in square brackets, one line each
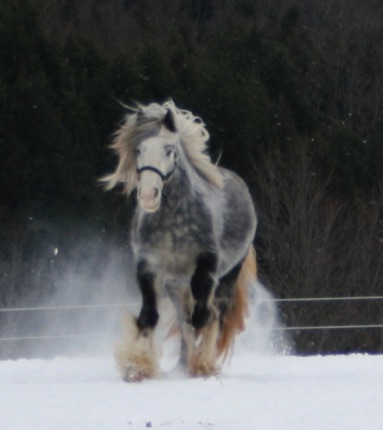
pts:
[192, 239]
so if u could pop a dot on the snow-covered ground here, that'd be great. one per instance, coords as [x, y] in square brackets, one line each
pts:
[263, 392]
[261, 389]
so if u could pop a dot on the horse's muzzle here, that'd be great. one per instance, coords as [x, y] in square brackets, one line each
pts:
[149, 200]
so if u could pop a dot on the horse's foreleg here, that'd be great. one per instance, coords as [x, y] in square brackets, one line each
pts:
[136, 355]
[148, 317]
[201, 348]
[202, 333]
[202, 285]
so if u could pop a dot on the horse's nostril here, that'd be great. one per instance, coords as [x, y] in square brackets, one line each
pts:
[148, 194]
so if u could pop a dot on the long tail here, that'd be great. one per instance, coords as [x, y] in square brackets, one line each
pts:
[235, 317]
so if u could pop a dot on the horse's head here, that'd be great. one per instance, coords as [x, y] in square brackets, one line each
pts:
[156, 161]
[149, 144]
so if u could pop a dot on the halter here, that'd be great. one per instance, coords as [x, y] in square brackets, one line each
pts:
[164, 178]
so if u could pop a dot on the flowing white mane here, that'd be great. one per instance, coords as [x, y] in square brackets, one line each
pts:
[146, 121]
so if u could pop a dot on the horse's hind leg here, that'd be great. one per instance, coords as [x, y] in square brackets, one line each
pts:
[136, 355]
[225, 300]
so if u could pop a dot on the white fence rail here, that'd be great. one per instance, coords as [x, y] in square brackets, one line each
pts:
[120, 305]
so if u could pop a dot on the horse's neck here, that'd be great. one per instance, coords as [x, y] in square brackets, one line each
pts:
[179, 187]
[185, 183]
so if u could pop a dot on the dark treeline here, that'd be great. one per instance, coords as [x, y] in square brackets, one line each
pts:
[291, 92]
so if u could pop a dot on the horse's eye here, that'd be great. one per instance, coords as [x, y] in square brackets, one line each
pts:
[169, 152]
[137, 152]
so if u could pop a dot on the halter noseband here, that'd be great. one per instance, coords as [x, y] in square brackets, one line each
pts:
[164, 178]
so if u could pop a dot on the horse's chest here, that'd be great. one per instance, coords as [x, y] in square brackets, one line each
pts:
[174, 241]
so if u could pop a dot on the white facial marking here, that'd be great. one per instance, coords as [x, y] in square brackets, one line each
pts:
[156, 159]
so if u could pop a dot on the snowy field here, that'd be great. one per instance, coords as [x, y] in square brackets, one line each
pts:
[261, 389]
[255, 392]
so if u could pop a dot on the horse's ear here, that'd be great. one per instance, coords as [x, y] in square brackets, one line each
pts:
[169, 122]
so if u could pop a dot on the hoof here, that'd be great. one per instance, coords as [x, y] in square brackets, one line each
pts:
[133, 374]
[136, 355]
[138, 368]
[202, 368]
